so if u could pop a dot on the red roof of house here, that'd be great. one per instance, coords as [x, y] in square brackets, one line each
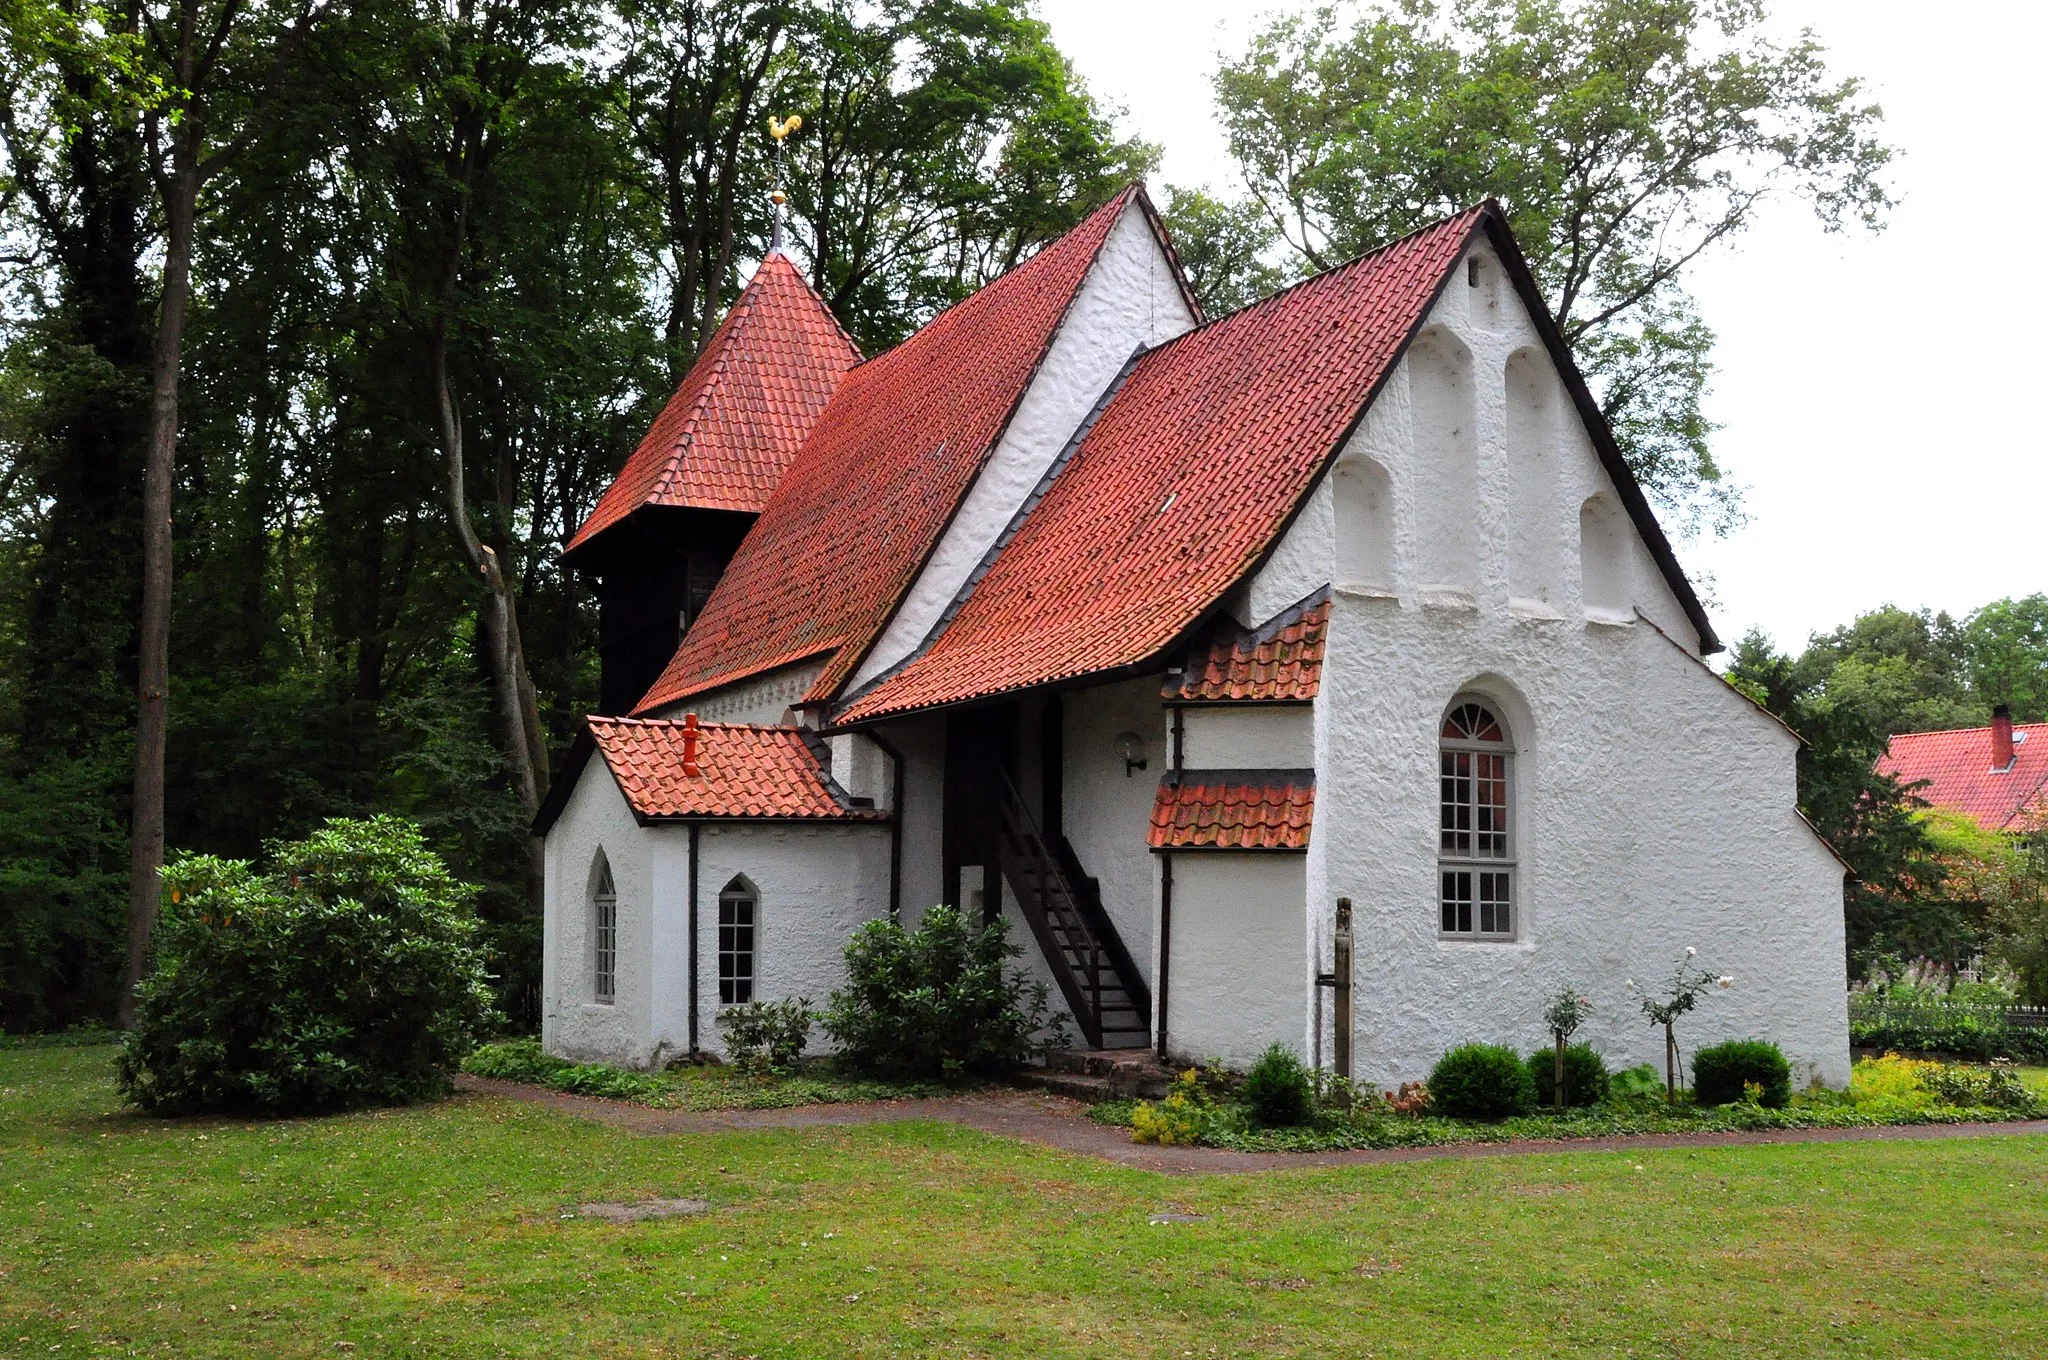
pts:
[879, 478]
[1280, 661]
[1957, 767]
[1189, 475]
[730, 430]
[743, 771]
[1242, 810]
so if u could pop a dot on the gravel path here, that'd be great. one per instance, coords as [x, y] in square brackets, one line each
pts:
[1055, 1121]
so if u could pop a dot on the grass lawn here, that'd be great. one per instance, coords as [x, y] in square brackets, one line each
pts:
[440, 1231]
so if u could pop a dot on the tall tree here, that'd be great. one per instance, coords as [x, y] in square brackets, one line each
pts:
[1626, 137]
[217, 65]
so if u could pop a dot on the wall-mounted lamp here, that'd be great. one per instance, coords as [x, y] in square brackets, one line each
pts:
[1131, 747]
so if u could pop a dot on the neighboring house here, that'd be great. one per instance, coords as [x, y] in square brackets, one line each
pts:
[1998, 775]
[1159, 636]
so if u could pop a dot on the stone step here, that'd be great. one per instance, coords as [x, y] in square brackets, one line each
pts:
[1129, 1069]
[1073, 1085]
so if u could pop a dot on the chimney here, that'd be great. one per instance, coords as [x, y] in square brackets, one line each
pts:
[691, 770]
[2001, 738]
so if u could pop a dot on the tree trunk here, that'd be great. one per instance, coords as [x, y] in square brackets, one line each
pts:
[512, 690]
[153, 680]
[1670, 1065]
[1558, 1069]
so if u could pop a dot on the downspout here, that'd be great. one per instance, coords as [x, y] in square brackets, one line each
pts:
[895, 824]
[695, 827]
[1165, 939]
[1166, 885]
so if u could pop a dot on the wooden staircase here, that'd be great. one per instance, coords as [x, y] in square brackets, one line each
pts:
[1095, 973]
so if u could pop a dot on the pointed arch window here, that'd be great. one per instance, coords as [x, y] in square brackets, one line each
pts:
[604, 917]
[739, 908]
[1475, 847]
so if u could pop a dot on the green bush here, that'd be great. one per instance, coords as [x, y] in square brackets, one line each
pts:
[767, 1036]
[938, 1001]
[1278, 1090]
[522, 1060]
[1481, 1081]
[1585, 1076]
[346, 974]
[1721, 1071]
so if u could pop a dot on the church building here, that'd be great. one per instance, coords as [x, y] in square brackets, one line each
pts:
[1160, 635]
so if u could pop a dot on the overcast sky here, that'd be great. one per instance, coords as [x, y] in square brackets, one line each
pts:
[1880, 396]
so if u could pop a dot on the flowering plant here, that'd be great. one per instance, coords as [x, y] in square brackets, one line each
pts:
[1689, 982]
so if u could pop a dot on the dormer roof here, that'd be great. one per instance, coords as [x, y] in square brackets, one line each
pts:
[735, 424]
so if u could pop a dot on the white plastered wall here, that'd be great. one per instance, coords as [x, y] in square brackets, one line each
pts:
[761, 699]
[1239, 954]
[1107, 810]
[1653, 805]
[1248, 737]
[1129, 298]
[816, 882]
[573, 1024]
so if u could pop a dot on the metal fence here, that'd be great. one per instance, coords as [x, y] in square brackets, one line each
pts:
[1871, 1009]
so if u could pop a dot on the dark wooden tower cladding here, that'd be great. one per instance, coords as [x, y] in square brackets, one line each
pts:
[652, 574]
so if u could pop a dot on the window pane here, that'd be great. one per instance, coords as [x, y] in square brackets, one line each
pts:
[735, 949]
[1457, 902]
[606, 969]
[1495, 903]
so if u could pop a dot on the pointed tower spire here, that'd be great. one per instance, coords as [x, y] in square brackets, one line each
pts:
[779, 129]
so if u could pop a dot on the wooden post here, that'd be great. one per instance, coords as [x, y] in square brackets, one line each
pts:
[1342, 960]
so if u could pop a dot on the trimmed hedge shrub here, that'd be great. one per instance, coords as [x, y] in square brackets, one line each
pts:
[1481, 1081]
[346, 974]
[1965, 1032]
[938, 1001]
[1720, 1072]
[1585, 1076]
[1278, 1090]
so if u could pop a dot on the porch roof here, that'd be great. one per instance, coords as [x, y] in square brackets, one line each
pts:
[1235, 810]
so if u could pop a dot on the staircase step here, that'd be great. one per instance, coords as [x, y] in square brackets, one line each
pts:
[1129, 1069]
[1074, 1085]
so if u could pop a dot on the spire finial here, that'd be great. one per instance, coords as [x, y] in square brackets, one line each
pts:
[779, 129]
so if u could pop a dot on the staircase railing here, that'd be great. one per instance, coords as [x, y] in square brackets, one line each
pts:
[1094, 971]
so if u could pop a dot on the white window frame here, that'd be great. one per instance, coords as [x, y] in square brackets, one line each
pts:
[734, 987]
[604, 939]
[1489, 875]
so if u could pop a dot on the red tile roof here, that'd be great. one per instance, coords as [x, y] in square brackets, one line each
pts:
[1239, 810]
[743, 771]
[1187, 478]
[734, 425]
[878, 480]
[1957, 767]
[1279, 661]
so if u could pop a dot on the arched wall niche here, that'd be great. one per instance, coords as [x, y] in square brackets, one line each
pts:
[1604, 584]
[1445, 415]
[1364, 499]
[1531, 438]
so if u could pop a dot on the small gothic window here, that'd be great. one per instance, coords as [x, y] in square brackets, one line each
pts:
[738, 909]
[1475, 850]
[604, 905]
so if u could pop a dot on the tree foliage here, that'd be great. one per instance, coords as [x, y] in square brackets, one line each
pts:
[566, 197]
[1923, 884]
[1626, 138]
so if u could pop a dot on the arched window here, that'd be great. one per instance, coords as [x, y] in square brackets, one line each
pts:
[738, 911]
[604, 936]
[1475, 850]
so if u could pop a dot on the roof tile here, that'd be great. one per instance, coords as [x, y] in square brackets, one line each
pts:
[1279, 661]
[743, 771]
[1187, 477]
[878, 479]
[1244, 810]
[724, 439]
[1957, 767]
